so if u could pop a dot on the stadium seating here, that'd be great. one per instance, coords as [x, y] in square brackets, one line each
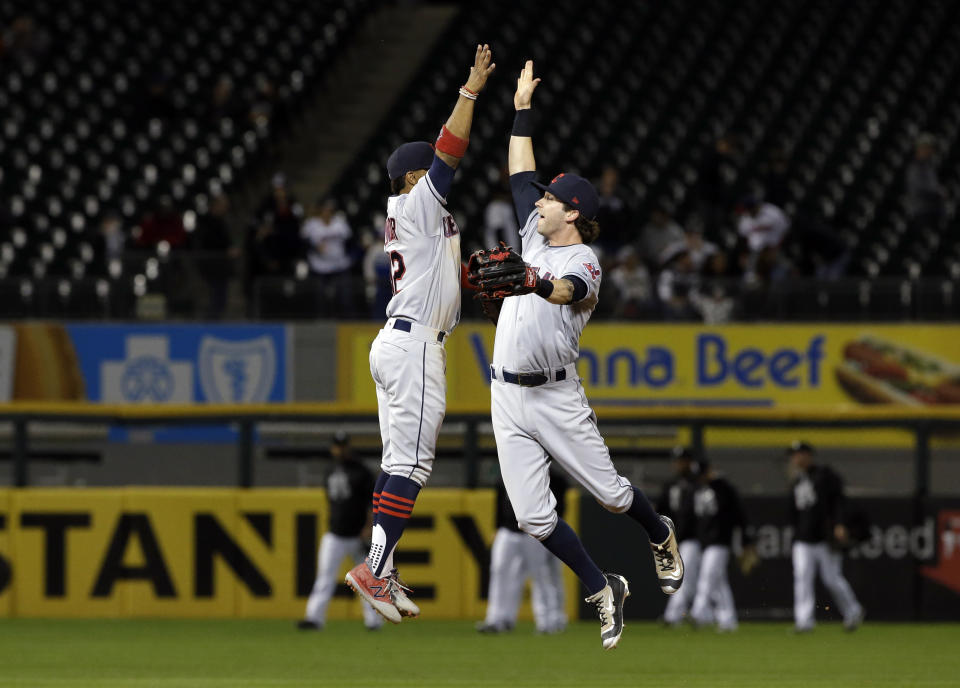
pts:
[840, 89]
[110, 107]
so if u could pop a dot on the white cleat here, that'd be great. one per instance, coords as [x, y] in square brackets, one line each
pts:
[398, 594]
[667, 561]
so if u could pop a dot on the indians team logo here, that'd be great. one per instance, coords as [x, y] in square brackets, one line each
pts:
[237, 372]
[594, 272]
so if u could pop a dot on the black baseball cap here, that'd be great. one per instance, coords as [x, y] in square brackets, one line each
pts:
[340, 437]
[681, 453]
[575, 191]
[416, 155]
[800, 446]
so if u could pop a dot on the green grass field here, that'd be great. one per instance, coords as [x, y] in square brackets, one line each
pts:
[424, 653]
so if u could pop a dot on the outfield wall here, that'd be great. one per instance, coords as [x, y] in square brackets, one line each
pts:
[142, 552]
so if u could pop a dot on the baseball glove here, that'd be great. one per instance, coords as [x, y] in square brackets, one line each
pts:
[500, 272]
[748, 560]
[490, 306]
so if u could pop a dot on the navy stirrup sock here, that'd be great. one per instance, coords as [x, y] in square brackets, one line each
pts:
[396, 505]
[377, 489]
[642, 512]
[566, 546]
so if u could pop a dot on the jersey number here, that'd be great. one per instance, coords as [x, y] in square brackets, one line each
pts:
[396, 262]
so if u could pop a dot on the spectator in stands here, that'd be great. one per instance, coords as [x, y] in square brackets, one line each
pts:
[24, 41]
[281, 211]
[500, 219]
[165, 223]
[224, 102]
[713, 300]
[214, 242]
[376, 274]
[677, 283]
[659, 233]
[614, 214]
[715, 179]
[327, 233]
[107, 244]
[633, 287]
[763, 226]
[263, 101]
[925, 198]
[700, 249]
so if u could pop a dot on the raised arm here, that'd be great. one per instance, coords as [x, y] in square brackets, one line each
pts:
[520, 155]
[452, 143]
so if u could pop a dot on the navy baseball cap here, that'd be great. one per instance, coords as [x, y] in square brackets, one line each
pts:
[575, 191]
[416, 155]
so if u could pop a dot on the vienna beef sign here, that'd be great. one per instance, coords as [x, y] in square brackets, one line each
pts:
[217, 552]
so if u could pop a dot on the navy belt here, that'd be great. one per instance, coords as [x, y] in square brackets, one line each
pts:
[405, 326]
[528, 379]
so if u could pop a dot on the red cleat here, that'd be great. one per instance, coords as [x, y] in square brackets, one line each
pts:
[376, 591]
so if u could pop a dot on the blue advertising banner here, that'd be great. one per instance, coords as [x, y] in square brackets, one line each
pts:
[156, 364]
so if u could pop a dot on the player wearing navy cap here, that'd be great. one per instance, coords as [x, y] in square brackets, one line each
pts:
[538, 405]
[407, 358]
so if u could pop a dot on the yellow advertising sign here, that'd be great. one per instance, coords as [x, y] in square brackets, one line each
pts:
[172, 552]
[737, 366]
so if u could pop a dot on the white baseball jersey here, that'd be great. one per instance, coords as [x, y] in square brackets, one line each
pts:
[533, 334]
[554, 418]
[766, 229]
[423, 244]
[408, 367]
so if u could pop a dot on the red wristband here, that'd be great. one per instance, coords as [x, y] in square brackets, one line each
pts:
[451, 144]
[473, 93]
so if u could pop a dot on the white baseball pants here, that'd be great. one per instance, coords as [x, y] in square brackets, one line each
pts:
[554, 419]
[679, 604]
[410, 375]
[333, 550]
[515, 557]
[807, 558]
[713, 602]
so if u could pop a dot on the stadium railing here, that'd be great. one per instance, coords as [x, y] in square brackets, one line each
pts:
[922, 422]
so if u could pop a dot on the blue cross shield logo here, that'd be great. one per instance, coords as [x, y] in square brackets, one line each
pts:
[233, 372]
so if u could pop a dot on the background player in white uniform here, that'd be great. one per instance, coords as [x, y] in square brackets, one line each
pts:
[516, 557]
[538, 404]
[407, 359]
[676, 501]
[348, 486]
[819, 530]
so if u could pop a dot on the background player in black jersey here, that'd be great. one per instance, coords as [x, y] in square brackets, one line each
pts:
[349, 485]
[676, 501]
[719, 513]
[818, 515]
[516, 557]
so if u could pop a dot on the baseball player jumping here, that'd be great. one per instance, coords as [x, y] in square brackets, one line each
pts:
[538, 404]
[407, 358]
